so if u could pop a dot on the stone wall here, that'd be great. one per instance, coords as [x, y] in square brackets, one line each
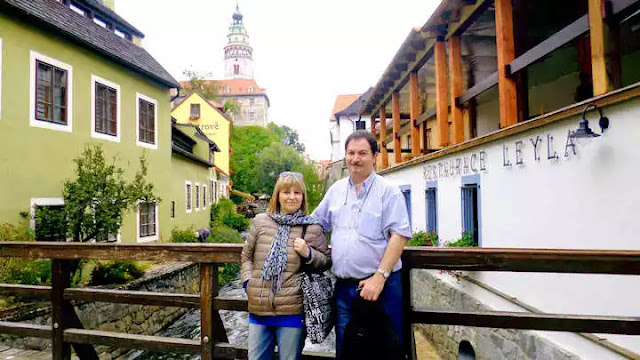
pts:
[488, 344]
[131, 319]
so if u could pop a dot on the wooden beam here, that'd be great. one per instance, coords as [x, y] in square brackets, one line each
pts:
[395, 110]
[133, 297]
[506, 54]
[442, 112]
[529, 321]
[383, 138]
[456, 88]
[598, 53]
[131, 341]
[477, 89]
[414, 110]
[25, 330]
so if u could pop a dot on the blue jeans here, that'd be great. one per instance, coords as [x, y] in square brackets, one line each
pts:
[390, 298]
[263, 339]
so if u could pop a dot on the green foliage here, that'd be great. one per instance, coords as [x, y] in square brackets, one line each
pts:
[115, 272]
[11, 268]
[422, 238]
[36, 272]
[231, 107]
[465, 241]
[197, 81]
[224, 235]
[51, 224]
[229, 272]
[183, 236]
[237, 222]
[10, 232]
[288, 136]
[247, 142]
[97, 199]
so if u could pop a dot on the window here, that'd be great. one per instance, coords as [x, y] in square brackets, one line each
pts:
[432, 208]
[227, 89]
[195, 112]
[215, 188]
[51, 95]
[147, 221]
[252, 116]
[211, 192]
[173, 209]
[236, 69]
[147, 134]
[47, 219]
[100, 22]
[250, 89]
[406, 193]
[470, 207]
[105, 101]
[77, 9]
[120, 33]
[252, 101]
[187, 187]
[204, 196]
[197, 187]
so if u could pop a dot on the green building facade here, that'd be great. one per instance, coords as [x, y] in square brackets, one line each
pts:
[66, 81]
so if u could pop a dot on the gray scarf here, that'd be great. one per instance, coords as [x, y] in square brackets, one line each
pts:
[276, 261]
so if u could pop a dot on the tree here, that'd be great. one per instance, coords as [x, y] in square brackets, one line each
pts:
[96, 201]
[197, 81]
[288, 136]
[247, 142]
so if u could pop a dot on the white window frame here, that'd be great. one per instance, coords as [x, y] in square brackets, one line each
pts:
[0, 78]
[203, 189]
[153, 146]
[35, 56]
[96, 79]
[197, 196]
[212, 190]
[142, 239]
[190, 195]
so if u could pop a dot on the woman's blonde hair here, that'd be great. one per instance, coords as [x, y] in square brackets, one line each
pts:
[284, 183]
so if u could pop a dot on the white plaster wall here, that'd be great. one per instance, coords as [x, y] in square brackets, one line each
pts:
[584, 201]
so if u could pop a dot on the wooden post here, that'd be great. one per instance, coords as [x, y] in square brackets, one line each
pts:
[60, 280]
[598, 55]
[414, 105]
[506, 54]
[455, 78]
[383, 137]
[206, 309]
[395, 112]
[442, 112]
[373, 124]
[423, 135]
[407, 327]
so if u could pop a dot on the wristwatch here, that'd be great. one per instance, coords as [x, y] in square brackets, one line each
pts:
[384, 272]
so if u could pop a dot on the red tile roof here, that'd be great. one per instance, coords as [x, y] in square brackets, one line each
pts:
[342, 102]
[235, 86]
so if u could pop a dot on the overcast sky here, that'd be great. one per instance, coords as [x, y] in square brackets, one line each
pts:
[305, 52]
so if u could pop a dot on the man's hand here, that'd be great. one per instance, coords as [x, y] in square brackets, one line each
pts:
[372, 287]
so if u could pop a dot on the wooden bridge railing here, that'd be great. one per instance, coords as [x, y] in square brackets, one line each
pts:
[66, 329]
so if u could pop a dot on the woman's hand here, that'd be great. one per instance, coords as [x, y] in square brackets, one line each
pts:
[301, 247]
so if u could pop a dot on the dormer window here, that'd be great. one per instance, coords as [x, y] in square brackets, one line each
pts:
[250, 89]
[120, 33]
[100, 22]
[77, 9]
[227, 89]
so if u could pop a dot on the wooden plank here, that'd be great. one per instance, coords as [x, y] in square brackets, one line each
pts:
[25, 330]
[206, 310]
[133, 297]
[468, 16]
[456, 88]
[529, 321]
[230, 303]
[525, 260]
[414, 112]
[383, 138]
[554, 42]
[213, 253]
[506, 54]
[130, 341]
[598, 54]
[442, 102]
[60, 280]
[395, 110]
[39, 291]
[232, 352]
[477, 89]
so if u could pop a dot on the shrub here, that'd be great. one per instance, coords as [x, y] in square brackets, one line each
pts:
[422, 238]
[224, 234]
[223, 208]
[465, 241]
[115, 272]
[183, 236]
[35, 272]
[236, 221]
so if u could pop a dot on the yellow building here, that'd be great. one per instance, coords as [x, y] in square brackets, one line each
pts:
[195, 109]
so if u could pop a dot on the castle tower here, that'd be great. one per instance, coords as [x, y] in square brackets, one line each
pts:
[238, 59]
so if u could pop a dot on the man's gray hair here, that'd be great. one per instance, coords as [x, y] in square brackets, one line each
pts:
[363, 134]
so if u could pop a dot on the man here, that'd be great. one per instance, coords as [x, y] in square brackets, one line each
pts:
[370, 225]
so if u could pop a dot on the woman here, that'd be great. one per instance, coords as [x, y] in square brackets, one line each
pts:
[272, 259]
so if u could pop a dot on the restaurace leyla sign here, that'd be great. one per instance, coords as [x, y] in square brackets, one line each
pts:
[513, 153]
